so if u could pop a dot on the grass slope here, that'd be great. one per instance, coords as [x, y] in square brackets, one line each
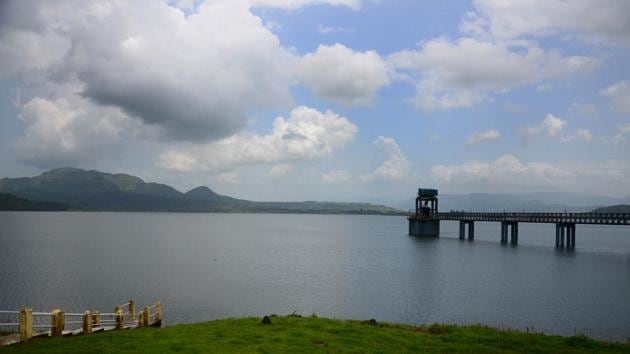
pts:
[312, 334]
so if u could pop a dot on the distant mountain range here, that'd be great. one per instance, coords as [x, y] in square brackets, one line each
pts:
[72, 188]
[623, 208]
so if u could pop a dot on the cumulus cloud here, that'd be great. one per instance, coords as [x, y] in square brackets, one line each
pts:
[340, 74]
[622, 133]
[551, 124]
[582, 134]
[336, 176]
[461, 73]
[554, 125]
[394, 168]
[194, 77]
[307, 134]
[295, 4]
[280, 170]
[506, 170]
[619, 96]
[586, 109]
[69, 131]
[606, 21]
[508, 173]
[477, 138]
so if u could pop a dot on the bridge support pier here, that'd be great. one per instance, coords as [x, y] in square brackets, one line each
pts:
[569, 229]
[510, 227]
[424, 227]
[471, 230]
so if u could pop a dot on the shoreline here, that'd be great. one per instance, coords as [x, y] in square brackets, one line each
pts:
[294, 333]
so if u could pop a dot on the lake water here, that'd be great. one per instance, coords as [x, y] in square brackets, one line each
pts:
[208, 266]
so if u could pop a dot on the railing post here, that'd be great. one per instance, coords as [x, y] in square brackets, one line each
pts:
[57, 322]
[119, 319]
[26, 324]
[140, 319]
[96, 319]
[158, 311]
[145, 318]
[87, 322]
[132, 310]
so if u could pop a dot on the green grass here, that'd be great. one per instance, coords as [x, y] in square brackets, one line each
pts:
[311, 334]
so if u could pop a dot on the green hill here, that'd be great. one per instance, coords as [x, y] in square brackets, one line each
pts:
[13, 203]
[316, 335]
[95, 190]
[621, 208]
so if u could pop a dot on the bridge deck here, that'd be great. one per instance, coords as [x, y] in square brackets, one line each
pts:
[550, 218]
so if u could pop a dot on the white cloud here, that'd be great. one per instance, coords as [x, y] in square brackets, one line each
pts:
[508, 173]
[394, 168]
[623, 132]
[600, 20]
[228, 178]
[137, 56]
[336, 176]
[340, 74]
[307, 134]
[582, 134]
[467, 71]
[295, 4]
[329, 30]
[554, 125]
[506, 170]
[69, 131]
[586, 109]
[619, 96]
[279, 170]
[490, 135]
[551, 124]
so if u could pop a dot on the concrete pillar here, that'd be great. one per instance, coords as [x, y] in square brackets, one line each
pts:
[158, 311]
[96, 319]
[26, 324]
[57, 322]
[471, 231]
[571, 236]
[503, 232]
[557, 235]
[120, 319]
[87, 322]
[516, 231]
[562, 236]
[132, 310]
[147, 317]
[462, 230]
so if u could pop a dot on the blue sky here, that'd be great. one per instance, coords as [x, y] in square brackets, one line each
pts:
[321, 99]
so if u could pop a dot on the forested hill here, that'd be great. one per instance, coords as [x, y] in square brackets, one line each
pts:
[13, 203]
[100, 191]
[622, 208]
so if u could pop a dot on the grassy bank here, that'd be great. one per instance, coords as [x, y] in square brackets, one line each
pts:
[311, 334]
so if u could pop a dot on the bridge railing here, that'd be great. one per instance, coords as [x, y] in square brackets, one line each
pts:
[593, 218]
[31, 324]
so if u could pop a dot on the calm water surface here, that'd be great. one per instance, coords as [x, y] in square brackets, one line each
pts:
[207, 266]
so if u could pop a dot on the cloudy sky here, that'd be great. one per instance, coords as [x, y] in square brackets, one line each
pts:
[321, 99]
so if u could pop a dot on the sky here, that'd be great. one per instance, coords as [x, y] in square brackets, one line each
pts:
[339, 100]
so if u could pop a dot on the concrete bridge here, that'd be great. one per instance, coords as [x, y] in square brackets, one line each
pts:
[425, 219]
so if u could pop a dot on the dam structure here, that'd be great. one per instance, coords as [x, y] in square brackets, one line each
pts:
[425, 219]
